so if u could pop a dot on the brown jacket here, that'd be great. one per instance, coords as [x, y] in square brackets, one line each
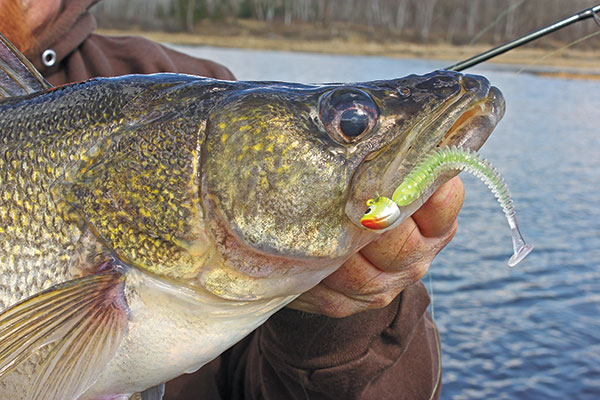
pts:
[81, 54]
[391, 353]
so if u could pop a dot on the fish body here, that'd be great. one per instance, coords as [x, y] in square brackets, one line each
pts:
[148, 223]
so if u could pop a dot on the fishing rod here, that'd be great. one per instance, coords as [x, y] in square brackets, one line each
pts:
[591, 12]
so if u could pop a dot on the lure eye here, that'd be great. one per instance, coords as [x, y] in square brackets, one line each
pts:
[347, 114]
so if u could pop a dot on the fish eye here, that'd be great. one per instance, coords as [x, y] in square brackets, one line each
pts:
[347, 114]
[354, 122]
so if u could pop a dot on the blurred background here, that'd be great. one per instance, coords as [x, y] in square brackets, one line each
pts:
[532, 332]
[441, 29]
[452, 21]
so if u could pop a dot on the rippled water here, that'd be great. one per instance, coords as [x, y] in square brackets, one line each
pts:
[532, 332]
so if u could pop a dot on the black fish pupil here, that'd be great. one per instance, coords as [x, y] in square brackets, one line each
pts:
[353, 122]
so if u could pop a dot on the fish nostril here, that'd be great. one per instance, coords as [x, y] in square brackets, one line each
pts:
[440, 83]
[475, 83]
[470, 82]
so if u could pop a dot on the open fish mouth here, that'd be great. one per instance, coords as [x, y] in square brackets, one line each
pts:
[474, 125]
[470, 130]
[465, 121]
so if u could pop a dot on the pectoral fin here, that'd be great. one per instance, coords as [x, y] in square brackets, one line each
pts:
[83, 320]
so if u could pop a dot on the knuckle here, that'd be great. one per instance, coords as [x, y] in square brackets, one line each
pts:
[381, 300]
[374, 287]
[417, 271]
[336, 308]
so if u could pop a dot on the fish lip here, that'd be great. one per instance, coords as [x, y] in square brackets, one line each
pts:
[486, 105]
[487, 112]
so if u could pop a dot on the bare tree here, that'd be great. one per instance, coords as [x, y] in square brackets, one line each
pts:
[189, 15]
[458, 21]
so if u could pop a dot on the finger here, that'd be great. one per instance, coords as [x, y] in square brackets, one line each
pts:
[221, 72]
[438, 215]
[215, 70]
[327, 301]
[358, 277]
[397, 248]
[324, 300]
[405, 246]
[361, 280]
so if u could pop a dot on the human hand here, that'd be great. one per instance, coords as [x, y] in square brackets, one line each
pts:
[374, 276]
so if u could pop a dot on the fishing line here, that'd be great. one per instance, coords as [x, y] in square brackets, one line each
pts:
[438, 346]
[495, 22]
[431, 295]
[551, 53]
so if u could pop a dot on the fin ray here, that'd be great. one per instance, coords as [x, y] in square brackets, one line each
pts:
[29, 340]
[83, 319]
[17, 75]
[66, 374]
[13, 322]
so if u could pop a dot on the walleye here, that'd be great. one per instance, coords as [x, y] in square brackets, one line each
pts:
[148, 223]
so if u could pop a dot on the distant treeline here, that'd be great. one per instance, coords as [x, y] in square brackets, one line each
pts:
[454, 21]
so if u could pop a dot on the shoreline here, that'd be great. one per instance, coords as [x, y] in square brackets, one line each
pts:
[568, 63]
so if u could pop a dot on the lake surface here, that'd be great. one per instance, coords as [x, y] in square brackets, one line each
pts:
[532, 332]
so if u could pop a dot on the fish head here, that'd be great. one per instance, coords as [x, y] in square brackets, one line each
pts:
[287, 169]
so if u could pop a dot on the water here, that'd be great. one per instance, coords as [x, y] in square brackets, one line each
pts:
[532, 332]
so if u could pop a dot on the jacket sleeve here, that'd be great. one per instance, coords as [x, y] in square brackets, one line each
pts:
[390, 353]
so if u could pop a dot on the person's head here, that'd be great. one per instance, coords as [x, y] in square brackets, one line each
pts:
[20, 20]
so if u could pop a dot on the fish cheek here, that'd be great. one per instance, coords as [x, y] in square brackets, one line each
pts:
[273, 179]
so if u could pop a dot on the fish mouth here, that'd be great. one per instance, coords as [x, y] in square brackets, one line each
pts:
[472, 128]
[466, 121]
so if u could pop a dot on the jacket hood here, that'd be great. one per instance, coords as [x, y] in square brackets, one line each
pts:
[72, 25]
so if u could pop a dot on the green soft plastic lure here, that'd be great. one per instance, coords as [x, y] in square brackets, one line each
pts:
[382, 212]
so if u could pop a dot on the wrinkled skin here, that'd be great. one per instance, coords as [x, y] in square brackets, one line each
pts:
[374, 276]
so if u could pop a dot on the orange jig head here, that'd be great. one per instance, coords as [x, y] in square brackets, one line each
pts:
[381, 214]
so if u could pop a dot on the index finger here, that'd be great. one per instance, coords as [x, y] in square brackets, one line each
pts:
[437, 216]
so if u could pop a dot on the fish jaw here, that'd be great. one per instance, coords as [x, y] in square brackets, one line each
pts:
[174, 330]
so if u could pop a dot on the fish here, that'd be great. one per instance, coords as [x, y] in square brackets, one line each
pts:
[150, 222]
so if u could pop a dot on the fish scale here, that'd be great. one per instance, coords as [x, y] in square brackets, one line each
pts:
[32, 218]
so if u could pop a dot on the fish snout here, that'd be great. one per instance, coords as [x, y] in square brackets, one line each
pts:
[446, 84]
[475, 83]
